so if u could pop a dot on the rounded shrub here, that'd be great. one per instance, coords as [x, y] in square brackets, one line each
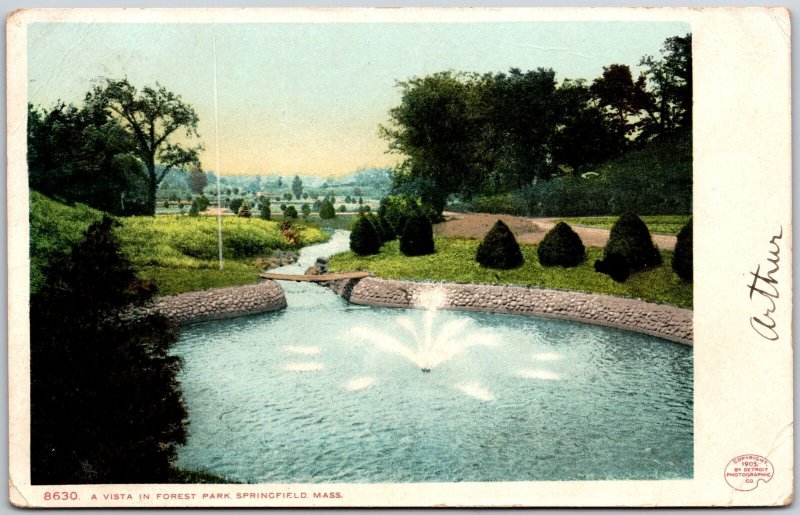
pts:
[682, 258]
[630, 237]
[266, 212]
[499, 248]
[384, 231]
[561, 246]
[235, 204]
[615, 266]
[290, 212]
[417, 237]
[364, 238]
[327, 210]
[195, 209]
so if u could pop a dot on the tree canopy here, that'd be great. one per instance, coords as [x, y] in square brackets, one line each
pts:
[469, 133]
[157, 122]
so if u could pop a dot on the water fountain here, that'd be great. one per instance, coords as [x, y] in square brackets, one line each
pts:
[431, 348]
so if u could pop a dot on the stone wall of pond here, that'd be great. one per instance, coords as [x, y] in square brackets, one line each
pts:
[668, 322]
[219, 303]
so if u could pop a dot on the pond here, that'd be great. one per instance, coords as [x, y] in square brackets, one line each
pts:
[323, 392]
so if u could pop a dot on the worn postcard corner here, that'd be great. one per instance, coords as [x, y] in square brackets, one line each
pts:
[400, 257]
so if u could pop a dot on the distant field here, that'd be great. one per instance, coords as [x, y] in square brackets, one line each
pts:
[661, 224]
[454, 261]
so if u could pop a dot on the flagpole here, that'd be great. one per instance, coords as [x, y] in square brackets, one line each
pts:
[216, 146]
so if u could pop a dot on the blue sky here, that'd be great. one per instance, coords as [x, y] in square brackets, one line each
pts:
[308, 98]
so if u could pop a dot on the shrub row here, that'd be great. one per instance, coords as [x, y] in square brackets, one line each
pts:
[629, 249]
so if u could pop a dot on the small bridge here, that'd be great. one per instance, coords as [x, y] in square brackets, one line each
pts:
[314, 278]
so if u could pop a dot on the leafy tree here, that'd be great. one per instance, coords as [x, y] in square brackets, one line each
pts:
[417, 237]
[197, 181]
[631, 238]
[585, 135]
[499, 248]
[166, 204]
[202, 202]
[306, 210]
[327, 210]
[105, 401]
[305, 196]
[195, 209]
[342, 209]
[290, 212]
[297, 187]
[364, 238]
[235, 204]
[397, 210]
[156, 121]
[682, 258]
[621, 96]
[432, 128]
[561, 246]
[287, 196]
[668, 105]
[348, 200]
[84, 155]
[266, 213]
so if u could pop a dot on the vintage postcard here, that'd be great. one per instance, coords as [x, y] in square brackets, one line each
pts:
[400, 257]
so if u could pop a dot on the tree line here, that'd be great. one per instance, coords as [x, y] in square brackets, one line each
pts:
[114, 150]
[470, 134]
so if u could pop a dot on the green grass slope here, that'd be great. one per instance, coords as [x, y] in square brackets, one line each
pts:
[177, 252]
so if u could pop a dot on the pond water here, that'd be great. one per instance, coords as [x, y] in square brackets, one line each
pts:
[314, 394]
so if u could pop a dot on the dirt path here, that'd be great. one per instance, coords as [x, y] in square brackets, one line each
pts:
[526, 230]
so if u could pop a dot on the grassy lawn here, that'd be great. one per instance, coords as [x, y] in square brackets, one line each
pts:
[178, 252]
[661, 224]
[454, 261]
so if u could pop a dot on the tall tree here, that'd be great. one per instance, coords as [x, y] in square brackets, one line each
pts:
[584, 134]
[621, 96]
[156, 120]
[197, 180]
[297, 187]
[431, 127]
[83, 155]
[669, 104]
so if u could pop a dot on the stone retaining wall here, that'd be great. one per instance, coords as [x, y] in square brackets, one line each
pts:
[219, 303]
[668, 322]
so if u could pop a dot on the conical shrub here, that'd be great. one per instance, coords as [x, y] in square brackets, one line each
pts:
[682, 259]
[364, 238]
[630, 237]
[417, 236]
[384, 231]
[561, 246]
[499, 248]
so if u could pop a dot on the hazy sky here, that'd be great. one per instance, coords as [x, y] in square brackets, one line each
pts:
[308, 98]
